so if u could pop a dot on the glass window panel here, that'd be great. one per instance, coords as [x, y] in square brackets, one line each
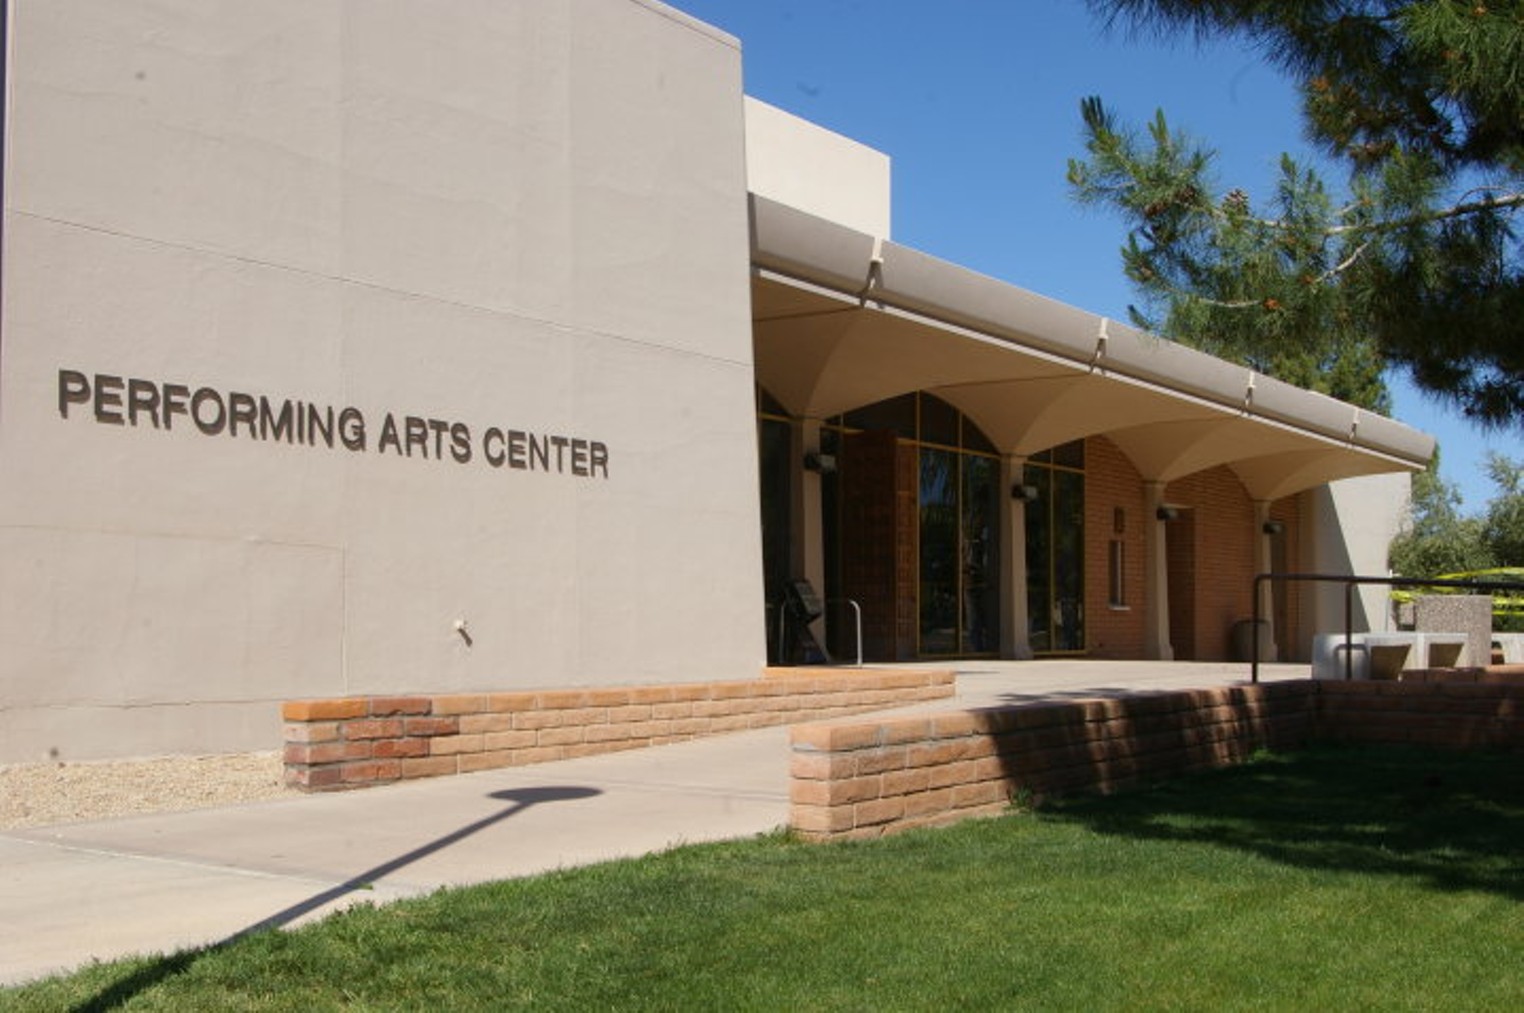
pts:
[769, 405]
[958, 523]
[896, 415]
[974, 438]
[939, 552]
[939, 421]
[1070, 455]
[1068, 561]
[1055, 526]
[981, 577]
[1039, 559]
[776, 440]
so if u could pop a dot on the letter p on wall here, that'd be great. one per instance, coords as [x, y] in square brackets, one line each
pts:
[73, 388]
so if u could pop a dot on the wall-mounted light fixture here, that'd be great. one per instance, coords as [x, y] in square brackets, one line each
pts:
[1024, 493]
[1273, 527]
[823, 463]
[1167, 513]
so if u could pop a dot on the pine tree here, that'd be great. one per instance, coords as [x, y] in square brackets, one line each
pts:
[1414, 263]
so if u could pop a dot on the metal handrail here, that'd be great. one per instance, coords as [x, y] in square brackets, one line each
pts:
[857, 620]
[1350, 582]
[857, 624]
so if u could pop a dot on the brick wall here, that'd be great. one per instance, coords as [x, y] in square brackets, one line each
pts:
[1217, 592]
[1451, 708]
[879, 527]
[853, 779]
[1112, 484]
[353, 742]
[1288, 618]
[1491, 674]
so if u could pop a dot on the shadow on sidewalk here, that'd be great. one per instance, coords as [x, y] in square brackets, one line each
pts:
[519, 799]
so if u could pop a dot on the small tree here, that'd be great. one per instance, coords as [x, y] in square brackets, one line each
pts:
[1503, 524]
[1437, 539]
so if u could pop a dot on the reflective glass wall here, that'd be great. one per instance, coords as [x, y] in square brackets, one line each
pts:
[956, 488]
[775, 443]
[1056, 550]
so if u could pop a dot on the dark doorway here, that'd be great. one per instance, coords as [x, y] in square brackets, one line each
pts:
[1180, 537]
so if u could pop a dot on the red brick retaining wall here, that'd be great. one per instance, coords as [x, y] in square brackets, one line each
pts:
[853, 779]
[1491, 674]
[353, 742]
[1444, 708]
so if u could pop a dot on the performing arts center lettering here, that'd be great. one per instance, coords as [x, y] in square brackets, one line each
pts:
[112, 400]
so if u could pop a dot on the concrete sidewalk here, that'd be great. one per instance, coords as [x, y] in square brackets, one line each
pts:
[95, 891]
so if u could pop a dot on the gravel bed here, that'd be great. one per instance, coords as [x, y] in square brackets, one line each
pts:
[38, 794]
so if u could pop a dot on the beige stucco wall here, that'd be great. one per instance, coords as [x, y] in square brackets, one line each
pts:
[511, 215]
[804, 165]
[1352, 523]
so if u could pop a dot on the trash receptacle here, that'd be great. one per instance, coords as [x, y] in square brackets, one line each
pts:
[1242, 641]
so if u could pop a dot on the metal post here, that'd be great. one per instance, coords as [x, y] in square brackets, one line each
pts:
[1254, 655]
[1349, 635]
[857, 624]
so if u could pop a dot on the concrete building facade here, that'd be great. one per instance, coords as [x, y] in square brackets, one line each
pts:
[372, 346]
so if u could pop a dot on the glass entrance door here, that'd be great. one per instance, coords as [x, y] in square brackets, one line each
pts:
[1056, 550]
[959, 584]
[913, 527]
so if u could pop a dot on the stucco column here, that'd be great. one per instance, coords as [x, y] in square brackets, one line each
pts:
[1156, 644]
[1264, 561]
[808, 558]
[1014, 639]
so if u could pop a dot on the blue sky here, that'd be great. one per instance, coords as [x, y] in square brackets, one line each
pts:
[977, 104]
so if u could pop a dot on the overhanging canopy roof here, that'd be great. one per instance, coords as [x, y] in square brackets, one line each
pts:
[841, 320]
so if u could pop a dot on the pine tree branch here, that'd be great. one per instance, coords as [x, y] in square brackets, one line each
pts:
[1460, 210]
[1343, 265]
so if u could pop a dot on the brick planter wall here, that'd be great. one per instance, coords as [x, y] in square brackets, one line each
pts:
[854, 779]
[1513, 674]
[1445, 708]
[353, 742]
[863, 779]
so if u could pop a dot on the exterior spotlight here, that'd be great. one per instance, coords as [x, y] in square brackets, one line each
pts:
[1024, 493]
[1167, 513]
[1273, 527]
[823, 463]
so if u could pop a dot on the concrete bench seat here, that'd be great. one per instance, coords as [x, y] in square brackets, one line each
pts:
[1385, 655]
[1512, 646]
[1391, 654]
[1443, 650]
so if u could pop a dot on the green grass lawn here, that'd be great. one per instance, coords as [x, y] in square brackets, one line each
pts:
[1327, 880]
